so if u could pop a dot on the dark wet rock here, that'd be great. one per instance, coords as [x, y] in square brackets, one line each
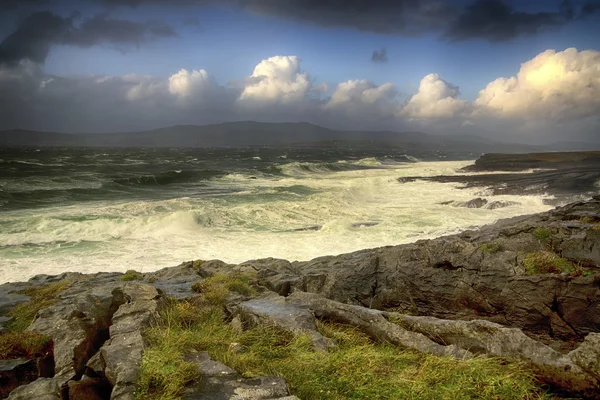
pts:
[475, 203]
[272, 310]
[364, 224]
[220, 382]
[501, 204]
[521, 162]
[309, 228]
[20, 371]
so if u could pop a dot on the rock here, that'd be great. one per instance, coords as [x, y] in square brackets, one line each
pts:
[475, 203]
[373, 324]
[119, 359]
[273, 310]
[364, 224]
[175, 282]
[587, 355]
[41, 389]
[9, 298]
[501, 204]
[488, 338]
[220, 382]
[78, 323]
[21, 371]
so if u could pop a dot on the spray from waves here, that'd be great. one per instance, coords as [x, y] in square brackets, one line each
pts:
[307, 168]
[270, 216]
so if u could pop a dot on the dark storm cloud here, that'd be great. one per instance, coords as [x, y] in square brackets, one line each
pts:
[38, 32]
[33, 38]
[104, 29]
[379, 55]
[590, 8]
[495, 20]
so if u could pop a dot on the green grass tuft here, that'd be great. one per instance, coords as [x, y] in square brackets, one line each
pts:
[542, 234]
[546, 262]
[42, 296]
[491, 247]
[357, 369]
[132, 275]
[216, 288]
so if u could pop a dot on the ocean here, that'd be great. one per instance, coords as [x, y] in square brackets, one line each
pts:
[99, 209]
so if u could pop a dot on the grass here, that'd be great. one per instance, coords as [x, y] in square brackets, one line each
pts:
[132, 275]
[42, 296]
[24, 345]
[491, 247]
[542, 234]
[218, 287]
[357, 369]
[547, 262]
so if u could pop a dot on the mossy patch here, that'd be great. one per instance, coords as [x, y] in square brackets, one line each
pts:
[27, 345]
[542, 234]
[131, 275]
[196, 264]
[218, 287]
[547, 262]
[590, 220]
[491, 247]
[42, 296]
[357, 369]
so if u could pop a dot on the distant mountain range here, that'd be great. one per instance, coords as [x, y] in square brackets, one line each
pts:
[258, 134]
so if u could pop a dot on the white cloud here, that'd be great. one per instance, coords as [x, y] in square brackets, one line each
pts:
[554, 85]
[276, 80]
[364, 96]
[553, 93]
[435, 98]
[188, 83]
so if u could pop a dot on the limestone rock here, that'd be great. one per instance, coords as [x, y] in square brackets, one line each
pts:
[220, 382]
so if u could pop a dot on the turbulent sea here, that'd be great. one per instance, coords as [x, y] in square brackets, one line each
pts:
[92, 210]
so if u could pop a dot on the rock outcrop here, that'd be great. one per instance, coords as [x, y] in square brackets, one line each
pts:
[476, 293]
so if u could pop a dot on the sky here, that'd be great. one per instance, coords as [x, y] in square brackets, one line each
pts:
[524, 71]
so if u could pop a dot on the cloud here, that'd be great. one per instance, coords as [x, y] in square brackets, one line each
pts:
[363, 102]
[553, 85]
[40, 31]
[589, 8]
[435, 98]
[495, 20]
[380, 56]
[552, 93]
[277, 80]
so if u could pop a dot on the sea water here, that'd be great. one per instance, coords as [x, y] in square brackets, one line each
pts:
[96, 209]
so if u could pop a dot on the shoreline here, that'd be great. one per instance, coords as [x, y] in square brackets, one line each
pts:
[525, 289]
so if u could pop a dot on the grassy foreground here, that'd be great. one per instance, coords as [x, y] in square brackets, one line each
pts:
[357, 369]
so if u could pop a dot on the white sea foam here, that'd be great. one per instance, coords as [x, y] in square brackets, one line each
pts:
[260, 220]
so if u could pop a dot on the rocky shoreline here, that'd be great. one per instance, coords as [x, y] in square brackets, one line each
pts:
[563, 175]
[525, 289]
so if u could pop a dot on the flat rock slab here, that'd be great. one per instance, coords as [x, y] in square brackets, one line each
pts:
[274, 310]
[219, 382]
